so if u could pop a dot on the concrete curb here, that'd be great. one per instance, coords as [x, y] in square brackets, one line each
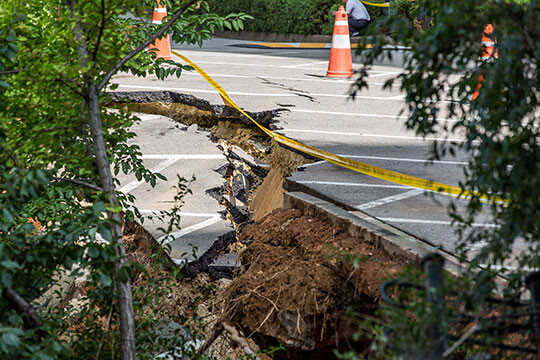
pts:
[361, 225]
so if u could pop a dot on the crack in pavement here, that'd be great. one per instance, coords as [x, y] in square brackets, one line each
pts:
[301, 93]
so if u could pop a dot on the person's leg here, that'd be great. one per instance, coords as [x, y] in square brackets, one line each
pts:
[362, 24]
[354, 25]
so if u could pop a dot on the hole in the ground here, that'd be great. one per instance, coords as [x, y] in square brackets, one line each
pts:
[314, 329]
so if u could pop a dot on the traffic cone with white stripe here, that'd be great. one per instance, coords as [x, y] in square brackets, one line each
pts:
[489, 54]
[162, 47]
[340, 64]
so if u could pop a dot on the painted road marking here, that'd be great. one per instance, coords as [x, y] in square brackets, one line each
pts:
[239, 93]
[251, 65]
[392, 117]
[306, 64]
[184, 157]
[135, 183]
[186, 214]
[508, 268]
[147, 117]
[165, 239]
[430, 222]
[443, 162]
[308, 182]
[371, 135]
[390, 199]
[323, 79]
[386, 74]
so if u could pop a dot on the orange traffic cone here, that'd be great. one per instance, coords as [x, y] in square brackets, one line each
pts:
[340, 64]
[488, 54]
[162, 45]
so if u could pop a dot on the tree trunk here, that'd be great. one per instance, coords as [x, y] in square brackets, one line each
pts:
[125, 305]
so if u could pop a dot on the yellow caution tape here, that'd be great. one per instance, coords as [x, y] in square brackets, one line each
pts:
[376, 4]
[354, 165]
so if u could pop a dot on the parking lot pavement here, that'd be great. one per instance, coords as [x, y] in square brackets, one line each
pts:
[175, 150]
[321, 113]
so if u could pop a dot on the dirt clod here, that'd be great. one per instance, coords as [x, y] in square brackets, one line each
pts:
[299, 280]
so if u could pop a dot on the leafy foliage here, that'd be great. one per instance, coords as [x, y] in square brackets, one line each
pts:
[441, 72]
[56, 220]
[283, 16]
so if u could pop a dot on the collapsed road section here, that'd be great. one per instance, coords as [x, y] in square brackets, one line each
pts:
[289, 274]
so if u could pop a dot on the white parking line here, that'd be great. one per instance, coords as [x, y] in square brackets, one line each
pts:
[240, 93]
[325, 80]
[147, 117]
[307, 182]
[370, 135]
[178, 234]
[160, 167]
[392, 117]
[252, 65]
[389, 199]
[305, 64]
[430, 222]
[443, 162]
[186, 214]
[305, 79]
[508, 268]
[184, 157]
[386, 74]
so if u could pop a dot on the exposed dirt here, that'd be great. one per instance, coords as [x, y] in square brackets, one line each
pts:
[299, 274]
[299, 282]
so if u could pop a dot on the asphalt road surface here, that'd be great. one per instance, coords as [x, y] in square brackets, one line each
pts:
[321, 113]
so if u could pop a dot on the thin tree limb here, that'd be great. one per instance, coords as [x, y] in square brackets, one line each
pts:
[11, 156]
[30, 320]
[72, 87]
[101, 29]
[49, 130]
[78, 182]
[144, 45]
[461, 340]
[9, 72]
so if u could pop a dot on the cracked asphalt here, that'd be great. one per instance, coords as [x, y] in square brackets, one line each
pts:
[322, 114]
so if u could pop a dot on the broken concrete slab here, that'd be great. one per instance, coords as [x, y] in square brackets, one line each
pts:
[187, 246]
[222, 111]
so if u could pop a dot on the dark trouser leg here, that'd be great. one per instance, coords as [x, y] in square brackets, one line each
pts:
[356, 25]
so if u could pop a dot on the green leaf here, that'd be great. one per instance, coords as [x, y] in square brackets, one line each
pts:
[10, 339]
[93, 251]
[105, 279]
[125, 273]
[7, 279]
[7, 215]
[11, 265]
[140, 267]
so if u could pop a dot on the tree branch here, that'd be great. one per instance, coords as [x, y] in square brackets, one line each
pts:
[9, 72]
[49, 130]
[101, 28]
[22, 306]
[11, 156]
[77, 182]
[72, 87]
[144, 45]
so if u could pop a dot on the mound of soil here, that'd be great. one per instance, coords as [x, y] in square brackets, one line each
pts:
[301, 276]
